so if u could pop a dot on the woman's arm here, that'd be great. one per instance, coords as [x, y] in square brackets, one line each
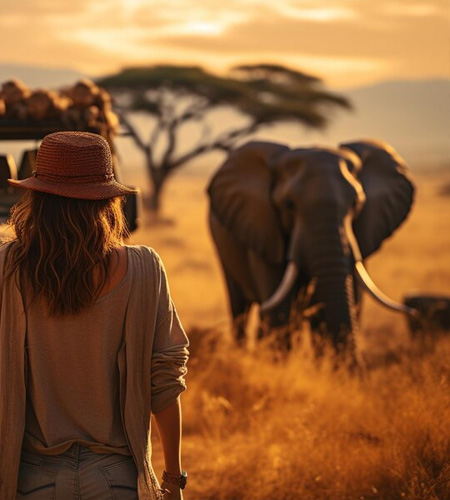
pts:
[168, 422]
[168, 369]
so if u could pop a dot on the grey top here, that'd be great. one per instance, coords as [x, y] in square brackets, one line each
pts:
[73, 387]
[152, 366]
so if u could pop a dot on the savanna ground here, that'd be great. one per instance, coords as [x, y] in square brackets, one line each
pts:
[261, 427]
[257, 426]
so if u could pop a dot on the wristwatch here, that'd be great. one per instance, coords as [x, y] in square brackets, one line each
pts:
[175, 479]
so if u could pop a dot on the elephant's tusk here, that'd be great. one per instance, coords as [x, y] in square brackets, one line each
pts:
[370, 286]
[290, 275]
[365, 279]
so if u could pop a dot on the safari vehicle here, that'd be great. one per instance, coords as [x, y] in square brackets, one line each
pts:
[13, 130]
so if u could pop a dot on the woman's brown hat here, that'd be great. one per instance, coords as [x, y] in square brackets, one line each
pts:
[74, 165]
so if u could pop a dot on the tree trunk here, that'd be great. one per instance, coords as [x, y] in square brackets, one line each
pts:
[157, 177]
[154, 200]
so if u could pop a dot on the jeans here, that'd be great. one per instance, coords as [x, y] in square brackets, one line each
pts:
[77, 474]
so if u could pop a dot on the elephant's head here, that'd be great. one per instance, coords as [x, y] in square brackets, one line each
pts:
[314, 210]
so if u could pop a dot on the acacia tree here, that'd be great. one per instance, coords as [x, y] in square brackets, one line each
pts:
[177, 95]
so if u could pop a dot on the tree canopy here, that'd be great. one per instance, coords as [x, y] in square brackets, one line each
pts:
[175, 95]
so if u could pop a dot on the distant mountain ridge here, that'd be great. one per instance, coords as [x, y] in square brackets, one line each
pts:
[412, 115]
[37, 76]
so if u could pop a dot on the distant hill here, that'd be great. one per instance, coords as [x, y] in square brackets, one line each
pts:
[411, 115]
[36, 76]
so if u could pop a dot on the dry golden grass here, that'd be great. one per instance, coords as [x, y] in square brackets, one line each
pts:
[261, 428]
[257, 426]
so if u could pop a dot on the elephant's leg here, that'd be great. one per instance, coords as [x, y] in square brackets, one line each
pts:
[239, 306]
[278, 317]
[266, 279]
[317, 328]
[275, 323]
[233, 260]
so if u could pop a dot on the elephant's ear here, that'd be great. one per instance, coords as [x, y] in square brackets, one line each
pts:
[389, 193]
[240, 195]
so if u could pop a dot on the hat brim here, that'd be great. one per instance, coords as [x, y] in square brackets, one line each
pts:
[82, 191]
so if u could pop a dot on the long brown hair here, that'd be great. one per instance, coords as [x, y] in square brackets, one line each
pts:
[59, 244]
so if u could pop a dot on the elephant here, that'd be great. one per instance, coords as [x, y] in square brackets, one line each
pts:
[435, 320]
[290, 223]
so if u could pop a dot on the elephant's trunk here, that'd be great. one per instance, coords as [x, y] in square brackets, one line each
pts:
[335, 292]
[329, 262]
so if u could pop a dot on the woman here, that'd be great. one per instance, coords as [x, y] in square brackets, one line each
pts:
[90, 341]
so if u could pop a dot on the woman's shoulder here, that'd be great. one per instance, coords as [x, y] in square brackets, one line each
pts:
[5, 247]
[143, 251]
[143, 255]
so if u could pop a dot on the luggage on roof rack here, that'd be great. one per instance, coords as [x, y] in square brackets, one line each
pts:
[19, 130]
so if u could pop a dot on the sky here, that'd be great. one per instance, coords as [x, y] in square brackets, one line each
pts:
[348, 43]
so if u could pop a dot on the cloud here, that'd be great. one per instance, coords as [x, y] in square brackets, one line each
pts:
[406, 41]
[340, 38]
[31, 9]
[326, 36]
[36, 49]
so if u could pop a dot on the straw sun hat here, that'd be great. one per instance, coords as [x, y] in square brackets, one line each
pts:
[74, 165]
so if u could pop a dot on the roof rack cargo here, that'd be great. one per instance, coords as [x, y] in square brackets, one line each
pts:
[19, 130]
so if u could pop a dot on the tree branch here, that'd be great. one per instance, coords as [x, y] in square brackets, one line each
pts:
[171, 132]
[195, 112]
[133, 132]
[235, 135]
[155, 133]
[225, 143]
[206, 133]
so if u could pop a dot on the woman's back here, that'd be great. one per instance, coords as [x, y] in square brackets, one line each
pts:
[72, 390]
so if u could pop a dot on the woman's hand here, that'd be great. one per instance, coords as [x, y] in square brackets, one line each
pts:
[173, 492]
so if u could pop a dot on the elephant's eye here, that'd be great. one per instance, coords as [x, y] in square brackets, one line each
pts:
[289, 204]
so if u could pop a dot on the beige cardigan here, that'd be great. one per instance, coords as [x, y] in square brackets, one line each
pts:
[152, 365]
